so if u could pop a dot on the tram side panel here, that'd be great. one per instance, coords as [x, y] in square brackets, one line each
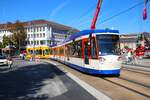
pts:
[78, 57]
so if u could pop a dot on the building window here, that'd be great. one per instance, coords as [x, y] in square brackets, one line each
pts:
[42, 42]
[37, 42]
[28, 29]
[37, 35]
[28, 35]
[31, 29]
[40, 35]
[34, 35]
[43, 28]
[34, 29]
[37, 29]
[40, 29]
[43, 34]
[31, 35]
[28, 42]
[31, 42]
[34, 42]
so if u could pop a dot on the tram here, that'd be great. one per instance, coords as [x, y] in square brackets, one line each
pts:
[38, 52]
[92, 51]
[100, 55]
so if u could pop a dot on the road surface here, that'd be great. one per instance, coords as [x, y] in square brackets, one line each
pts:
[38, 81]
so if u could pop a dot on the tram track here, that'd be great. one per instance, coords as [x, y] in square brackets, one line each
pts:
[139, 71]
[133, 86]
[111, 86]
[136, 82]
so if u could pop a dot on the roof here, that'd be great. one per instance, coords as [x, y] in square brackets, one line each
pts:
[87, 32]
[135, 34]
[52, 24]
[40, 22]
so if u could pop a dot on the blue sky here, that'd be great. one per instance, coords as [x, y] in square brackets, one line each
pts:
[77, 13]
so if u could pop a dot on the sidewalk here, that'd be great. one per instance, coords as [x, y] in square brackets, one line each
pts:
[143, 64]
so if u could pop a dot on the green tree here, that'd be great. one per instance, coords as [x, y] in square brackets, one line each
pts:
[6, 41]
[19, 35]
[1, 45]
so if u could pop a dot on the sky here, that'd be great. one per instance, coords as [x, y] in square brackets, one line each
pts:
[78, 13]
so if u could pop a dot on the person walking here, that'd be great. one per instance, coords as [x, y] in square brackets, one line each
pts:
[129, 57]
[10, 62]
[134, 58]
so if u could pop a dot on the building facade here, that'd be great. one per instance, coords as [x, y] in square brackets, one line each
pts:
[41, 32]
[132, 40]
[128, 40]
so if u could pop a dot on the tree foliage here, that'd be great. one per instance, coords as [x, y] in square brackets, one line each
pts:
[19, 35]
[1, 45]
[6, 41]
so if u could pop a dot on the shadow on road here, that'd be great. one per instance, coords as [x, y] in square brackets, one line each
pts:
[24, 82]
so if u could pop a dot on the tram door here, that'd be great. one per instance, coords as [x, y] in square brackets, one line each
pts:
[86, 51]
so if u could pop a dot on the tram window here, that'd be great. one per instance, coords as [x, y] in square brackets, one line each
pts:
[93, 46]
[50, 51]
[31, 52]
[40, 51]
[86, 53]
[61, 51]
[108, 44]
[75, 48]
[55, 51]
[67, 49]
[37, 51]
[43, 52]
[79, 48]
[46, 52]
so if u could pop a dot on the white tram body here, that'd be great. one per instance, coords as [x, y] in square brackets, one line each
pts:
[100, 56]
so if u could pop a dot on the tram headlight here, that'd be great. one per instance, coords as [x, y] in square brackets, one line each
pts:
[101, 59]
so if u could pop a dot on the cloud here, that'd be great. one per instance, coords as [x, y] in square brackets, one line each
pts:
[57, 9]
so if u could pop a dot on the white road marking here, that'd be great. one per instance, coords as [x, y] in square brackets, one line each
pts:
[51, 87]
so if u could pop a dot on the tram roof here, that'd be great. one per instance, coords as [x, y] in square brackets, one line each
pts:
[86, 32]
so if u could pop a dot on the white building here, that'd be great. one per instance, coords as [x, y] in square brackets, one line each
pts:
[4, 31]
[41, 32]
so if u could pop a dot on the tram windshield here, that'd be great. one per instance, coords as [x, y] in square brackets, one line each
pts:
[108, 44]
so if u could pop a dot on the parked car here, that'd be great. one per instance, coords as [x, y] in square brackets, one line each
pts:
[3, 60]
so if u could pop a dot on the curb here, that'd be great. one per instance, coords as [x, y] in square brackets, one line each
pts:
[97, 94]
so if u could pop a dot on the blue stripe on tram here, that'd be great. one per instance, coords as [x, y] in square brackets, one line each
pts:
[93, 71]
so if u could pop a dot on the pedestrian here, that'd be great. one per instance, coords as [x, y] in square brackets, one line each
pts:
[10, 62]
[134, 58]
[129, 57]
